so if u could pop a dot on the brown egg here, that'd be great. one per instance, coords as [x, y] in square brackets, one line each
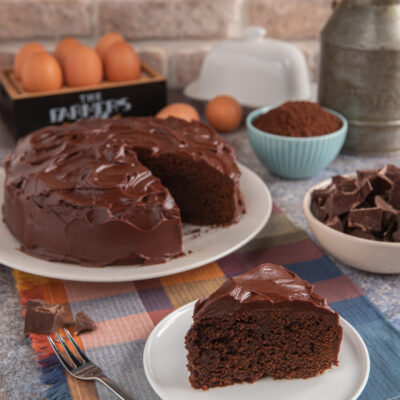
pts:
[106, 41]
[83, 67]
[24, 52]
[41, 72]
[179, 110]
[121, 63]
[224, 113]
[64, 47]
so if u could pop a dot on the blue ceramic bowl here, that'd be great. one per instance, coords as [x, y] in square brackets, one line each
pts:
[295, 158]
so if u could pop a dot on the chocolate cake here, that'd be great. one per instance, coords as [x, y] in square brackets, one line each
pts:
[265, 322]
[102, 192]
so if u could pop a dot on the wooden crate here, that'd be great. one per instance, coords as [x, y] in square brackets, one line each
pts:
[24, 112]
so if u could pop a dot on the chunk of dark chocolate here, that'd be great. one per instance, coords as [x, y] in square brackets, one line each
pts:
[366, 173]
[381, 184]
[42, 317]
[361, 234]
[320, 195]
[388, 213]
[367, 206]
[83, 323]
[391, 171]
[339, 202]
[396, 233]
[380, 202]
[344, 184]
[394, 195]
[335, 223]
[367, 219]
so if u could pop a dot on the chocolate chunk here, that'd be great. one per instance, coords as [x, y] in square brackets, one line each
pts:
[367, 206]
[42, 317]
[389, 229]
[381, 184]
[83, 323]
[396, 233]
[344, 184]
[367, 219]
[320, 195]
[370, 174]
[390, 171]
[394, 195]
[339, 203]
[361, 234]
[380, 202]
[388, 212]
[335, 223]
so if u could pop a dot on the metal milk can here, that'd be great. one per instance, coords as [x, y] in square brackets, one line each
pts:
[360, 72]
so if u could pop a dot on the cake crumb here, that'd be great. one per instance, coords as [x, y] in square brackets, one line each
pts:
[83, 323]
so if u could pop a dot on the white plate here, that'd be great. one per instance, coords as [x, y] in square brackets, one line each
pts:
[165, 367]
[207, 246]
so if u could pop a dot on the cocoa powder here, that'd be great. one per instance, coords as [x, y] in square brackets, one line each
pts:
[298, 119]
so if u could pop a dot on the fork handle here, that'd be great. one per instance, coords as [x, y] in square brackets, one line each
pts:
[114, 387]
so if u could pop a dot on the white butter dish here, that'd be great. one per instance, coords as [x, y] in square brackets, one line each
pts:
[255, 70]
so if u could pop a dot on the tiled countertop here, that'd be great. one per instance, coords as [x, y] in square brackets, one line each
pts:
[18, 374]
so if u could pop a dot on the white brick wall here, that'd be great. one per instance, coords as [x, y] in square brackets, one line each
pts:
[173, 36]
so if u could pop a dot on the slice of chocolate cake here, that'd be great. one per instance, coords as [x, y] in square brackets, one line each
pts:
[265, 322]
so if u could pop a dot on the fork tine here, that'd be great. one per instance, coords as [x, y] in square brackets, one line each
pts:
[77, 348]
[74, 360]
[63, 361]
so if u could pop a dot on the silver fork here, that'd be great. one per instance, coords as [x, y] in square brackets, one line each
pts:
[80, 367]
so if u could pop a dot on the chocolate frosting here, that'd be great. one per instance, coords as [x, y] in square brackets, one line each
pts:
[264, 287]
[79, 193]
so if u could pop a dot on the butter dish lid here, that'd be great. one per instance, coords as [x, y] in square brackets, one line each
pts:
[255, 70]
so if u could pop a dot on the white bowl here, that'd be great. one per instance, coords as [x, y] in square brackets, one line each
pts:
[364, 254]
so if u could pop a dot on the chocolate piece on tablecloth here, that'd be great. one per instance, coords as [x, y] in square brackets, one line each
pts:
[67, 318]
[335, 223]
[42, 317]
[83, 323]
[367, 219]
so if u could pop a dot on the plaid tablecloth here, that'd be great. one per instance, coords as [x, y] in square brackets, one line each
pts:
[126, 313]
